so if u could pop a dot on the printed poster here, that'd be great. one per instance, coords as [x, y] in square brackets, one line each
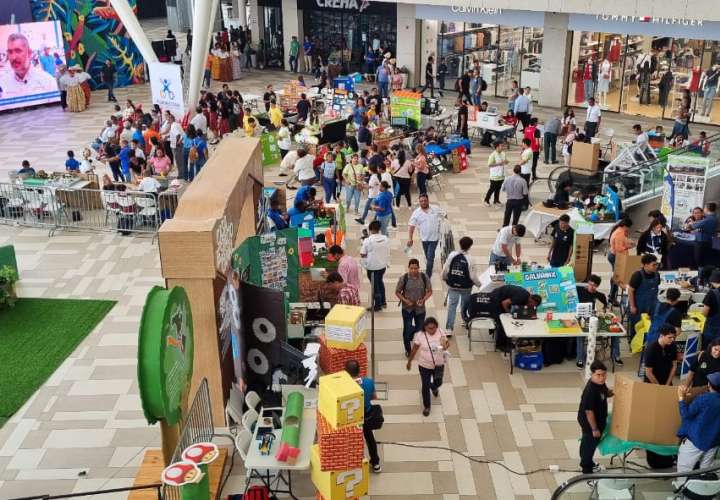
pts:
[556, 286]
[270, 149]
[166, 87]
[687, 189]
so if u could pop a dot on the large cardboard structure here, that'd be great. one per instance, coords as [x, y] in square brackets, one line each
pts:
[215, 214]
[647, 413]
[625, 266]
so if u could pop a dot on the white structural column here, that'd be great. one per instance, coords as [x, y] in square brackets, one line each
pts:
[254, 20]
[132, 25]
[555, 54]
[407, 41]
[429, 46]
[291, 27]
[201, 26]
[240, 11]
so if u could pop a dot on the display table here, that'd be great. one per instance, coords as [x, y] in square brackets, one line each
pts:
[527, 329]
[682, 254]
[273, 474]
[611, 445]
[448, 147]
[540, 217]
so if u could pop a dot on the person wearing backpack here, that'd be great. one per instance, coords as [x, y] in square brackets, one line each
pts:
[460, 277]
[413, 290]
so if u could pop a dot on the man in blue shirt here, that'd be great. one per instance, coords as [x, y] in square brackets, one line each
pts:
[368, 387]
[26, 169]
[276, 215]
[704, 229]
[383, 78]
[522, 108]
[383, 207]
[700, 427]
[71, 164]
[124, 155]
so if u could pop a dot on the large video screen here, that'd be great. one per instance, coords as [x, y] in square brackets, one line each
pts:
[29, 56]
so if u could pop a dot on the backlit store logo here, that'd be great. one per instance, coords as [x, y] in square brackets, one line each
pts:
[359, 5]
[469, 9]
[651, 20]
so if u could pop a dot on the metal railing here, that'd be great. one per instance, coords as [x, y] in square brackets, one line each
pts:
[656, 482]
[95, 210]
[157, 487]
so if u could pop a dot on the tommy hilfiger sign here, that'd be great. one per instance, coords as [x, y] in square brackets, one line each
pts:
[651, 20]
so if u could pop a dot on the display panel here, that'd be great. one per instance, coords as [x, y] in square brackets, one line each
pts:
[29, 55]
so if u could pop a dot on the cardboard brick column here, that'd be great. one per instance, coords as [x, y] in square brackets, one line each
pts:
[338, 469]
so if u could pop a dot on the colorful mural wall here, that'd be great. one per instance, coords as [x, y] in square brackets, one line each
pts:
[93, 33]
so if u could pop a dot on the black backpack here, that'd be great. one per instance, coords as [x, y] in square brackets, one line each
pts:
[483, 84]
[459, 273]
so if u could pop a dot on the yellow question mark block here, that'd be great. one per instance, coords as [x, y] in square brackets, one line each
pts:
[341, 400]
[338, 485]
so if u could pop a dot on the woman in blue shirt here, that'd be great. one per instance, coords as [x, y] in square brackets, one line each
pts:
[187, 141]
[328, 177]
[382, 205]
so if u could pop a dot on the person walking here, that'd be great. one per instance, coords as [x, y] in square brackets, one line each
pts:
[402, 170]
[430, 78]
[382, 205]
[459, 275]
[521, 108]
[373, 413]
[420, 165]
[516, 190]
[294, 51]
[107, 74]
[442, 73]
[552, 131]
[592, 415]
[353, 181]
[413, 290]
[496, 163]
[375, 254]
[382, 76]
[426, 218]
[532, 132]
[432, 345]
[308, 54]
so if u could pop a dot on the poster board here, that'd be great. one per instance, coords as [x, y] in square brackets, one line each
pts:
[270, 149]
[687, 188]
[166, 87]
[406, 104]
[556, 286]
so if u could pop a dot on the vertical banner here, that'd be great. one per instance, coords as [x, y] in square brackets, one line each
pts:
[166, 87]
[687, 189]
[270, 149]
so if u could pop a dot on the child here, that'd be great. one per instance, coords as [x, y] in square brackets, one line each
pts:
[328, 177]
[250, 127]
[71, 164]
[701, 146]
[592, 415]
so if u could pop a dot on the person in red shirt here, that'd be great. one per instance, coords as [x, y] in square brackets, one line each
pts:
[532, 133]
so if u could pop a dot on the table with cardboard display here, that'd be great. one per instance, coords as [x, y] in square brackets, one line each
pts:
[539, 218]
[482, 122]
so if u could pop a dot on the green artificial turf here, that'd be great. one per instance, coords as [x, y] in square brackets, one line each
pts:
[35, 338]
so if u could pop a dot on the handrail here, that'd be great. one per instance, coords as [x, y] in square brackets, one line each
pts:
[157, 487]
[581, 478]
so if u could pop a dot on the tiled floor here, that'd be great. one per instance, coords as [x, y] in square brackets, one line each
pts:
[84, 430]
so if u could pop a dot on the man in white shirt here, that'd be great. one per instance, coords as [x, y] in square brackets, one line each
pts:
[592, 119]
[199, 121]
[174, 139]
[426, 219]
[375, 254]
[460, 276]
[642, 141]
[22, 78]
[507, 237]
[304, 169]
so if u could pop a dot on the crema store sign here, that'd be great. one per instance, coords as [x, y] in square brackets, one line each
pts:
[358, 5]
[677, 27]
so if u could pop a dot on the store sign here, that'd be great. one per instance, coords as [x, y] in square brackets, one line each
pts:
[359, 5]
[165, 354]
[463, 9]
[650, 19]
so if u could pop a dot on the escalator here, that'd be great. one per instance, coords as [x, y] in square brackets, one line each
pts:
[635, 483]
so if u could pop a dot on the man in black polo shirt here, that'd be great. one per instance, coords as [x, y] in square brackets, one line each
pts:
[303, 108]
[268, 96]
[588, 293]
[661, 358]
[592, 415]
[563, 238]
[501, 300]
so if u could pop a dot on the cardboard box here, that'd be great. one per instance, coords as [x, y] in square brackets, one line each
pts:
[341, 400]
[345, 327]
[625, 266]
[647, 413]
[338, 485]
[582, 256]
[585, 156]
[333, 360]
[340, 449]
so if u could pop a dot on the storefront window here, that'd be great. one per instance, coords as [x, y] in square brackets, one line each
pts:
[597, 69]
[532, 60]
[451, 46]
[510, 46]
[701, 85]
[273, 37]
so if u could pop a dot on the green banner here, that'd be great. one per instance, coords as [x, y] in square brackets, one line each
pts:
[556, 286]
[270, 149]
[165, 354]
[408, 108]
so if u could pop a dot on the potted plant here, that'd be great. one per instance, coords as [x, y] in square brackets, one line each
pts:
[8, 278]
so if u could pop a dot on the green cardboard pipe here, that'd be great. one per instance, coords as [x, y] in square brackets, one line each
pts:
[292, 419]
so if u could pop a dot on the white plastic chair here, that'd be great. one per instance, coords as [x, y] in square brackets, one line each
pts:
[234, 408]
[249, 418]
[242, 442]
[699, 487]
[252, 400]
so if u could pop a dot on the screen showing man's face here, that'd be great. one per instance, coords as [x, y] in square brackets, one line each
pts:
[19, 56]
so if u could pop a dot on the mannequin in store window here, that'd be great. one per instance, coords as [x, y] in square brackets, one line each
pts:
[589, 77]
[665, 86]
[644, 67]
[709, 83]
[614, 51]
[577, 77]
[604, 82]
